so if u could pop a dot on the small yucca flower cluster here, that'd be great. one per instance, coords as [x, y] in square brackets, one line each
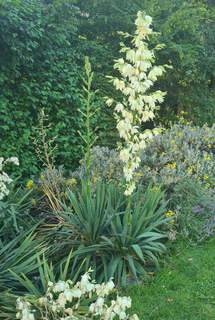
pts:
[137, 76]
[83, 300]
[5, 180]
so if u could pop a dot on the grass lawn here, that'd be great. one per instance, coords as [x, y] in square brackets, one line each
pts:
[184, 289]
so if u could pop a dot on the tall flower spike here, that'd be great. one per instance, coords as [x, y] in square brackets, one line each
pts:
[136, 78]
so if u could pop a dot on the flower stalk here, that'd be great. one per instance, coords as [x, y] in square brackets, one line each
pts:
[137, 75]
[88, 136]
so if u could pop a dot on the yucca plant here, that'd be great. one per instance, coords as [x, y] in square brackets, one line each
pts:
[7, 305]
[85, 220]
[136, 237]
[34, 287]
[61, 297]
[19, 255]
[116, 241]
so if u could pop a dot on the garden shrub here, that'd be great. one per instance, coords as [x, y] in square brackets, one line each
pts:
[5, 180]
[105, 166]
[40, 68]
[14, 203]
[194, 209]
[183, 151]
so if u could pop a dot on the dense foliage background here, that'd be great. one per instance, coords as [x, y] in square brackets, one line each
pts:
[42, 48]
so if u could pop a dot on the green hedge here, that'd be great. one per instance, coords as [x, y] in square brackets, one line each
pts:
[42, 47]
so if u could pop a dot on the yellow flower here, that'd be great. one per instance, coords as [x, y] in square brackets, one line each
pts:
[94, 179]
[71, 182]
[206, 177]
[30, 184]
[139, 174]
[171, 165]
[34, 202]
[172, 221]
[169, 214]
[207, 157]
[190, 170]
[155, 189]
[207, 185]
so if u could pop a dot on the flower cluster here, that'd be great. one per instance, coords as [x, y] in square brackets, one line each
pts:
[24, 310]
[170, 215]
[30, 184]
[5, 180]
[137, 76]
[171, 165]
[83, 300]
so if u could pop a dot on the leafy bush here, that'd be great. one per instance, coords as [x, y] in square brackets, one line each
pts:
[180, 152]
[182, 159]
[15, 204]
[194, 207]
[105, 166]
[39, 69]
[114, 239]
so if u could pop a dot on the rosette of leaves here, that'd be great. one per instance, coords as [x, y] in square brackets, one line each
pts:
[115, 240]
